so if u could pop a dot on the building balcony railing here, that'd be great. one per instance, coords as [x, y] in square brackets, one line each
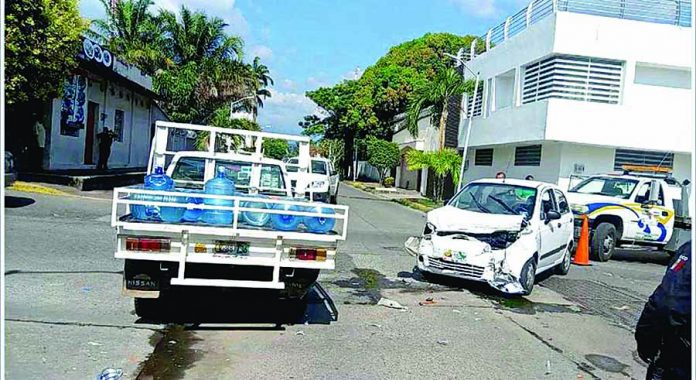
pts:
[672, 12]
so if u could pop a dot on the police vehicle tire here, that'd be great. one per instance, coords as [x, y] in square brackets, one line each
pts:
[564, 267]
[527, 276]
[603, 242]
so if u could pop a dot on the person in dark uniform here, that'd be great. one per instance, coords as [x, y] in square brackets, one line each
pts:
[663, 333]
[106, 138]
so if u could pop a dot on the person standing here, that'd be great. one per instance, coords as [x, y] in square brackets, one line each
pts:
[663, 332]
[39, 142]
[106, 138]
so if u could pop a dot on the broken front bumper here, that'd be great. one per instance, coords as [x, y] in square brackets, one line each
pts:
[468, 259]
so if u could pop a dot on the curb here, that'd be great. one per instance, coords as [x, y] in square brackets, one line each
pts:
[26, 187]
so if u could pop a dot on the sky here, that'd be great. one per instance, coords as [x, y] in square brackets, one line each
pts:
[312, 43]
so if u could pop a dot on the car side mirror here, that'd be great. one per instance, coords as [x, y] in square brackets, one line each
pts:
[552, 215]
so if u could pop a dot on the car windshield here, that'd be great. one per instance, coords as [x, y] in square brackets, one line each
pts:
[319, 167]
[291, 166]
[496, 198]
[612, 187]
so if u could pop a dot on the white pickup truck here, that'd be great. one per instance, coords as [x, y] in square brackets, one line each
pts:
[323, 179]
[631, 209]
[161, 256]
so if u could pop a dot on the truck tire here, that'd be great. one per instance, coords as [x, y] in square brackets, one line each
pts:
[148, 308]
[603, 242]
[296, 287]
[528, 276]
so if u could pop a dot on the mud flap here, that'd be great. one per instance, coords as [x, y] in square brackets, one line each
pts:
[141, 279]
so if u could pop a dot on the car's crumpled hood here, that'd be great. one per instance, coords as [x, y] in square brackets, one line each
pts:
[451, 218]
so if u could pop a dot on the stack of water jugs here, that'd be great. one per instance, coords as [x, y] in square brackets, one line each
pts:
[221, 185]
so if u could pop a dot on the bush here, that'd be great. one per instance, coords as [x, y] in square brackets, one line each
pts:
[389, 181]
[383, 155]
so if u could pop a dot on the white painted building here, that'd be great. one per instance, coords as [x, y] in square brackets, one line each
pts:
[578, 87]
[103, 92]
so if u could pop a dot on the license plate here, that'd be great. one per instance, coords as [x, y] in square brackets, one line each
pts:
[231, 248]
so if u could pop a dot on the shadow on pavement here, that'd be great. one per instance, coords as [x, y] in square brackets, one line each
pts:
[234, 306]
[18, 202]
[644, 256]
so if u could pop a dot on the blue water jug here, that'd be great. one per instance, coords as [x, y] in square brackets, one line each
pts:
[155, 181]
[220, 185]
[253, 218]
[286, 222]
[193, 214]
[319, 224]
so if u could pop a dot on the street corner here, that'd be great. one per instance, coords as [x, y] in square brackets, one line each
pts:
[36, 188]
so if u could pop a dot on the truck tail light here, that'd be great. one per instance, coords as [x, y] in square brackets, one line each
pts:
[308, 254]
[148, 244]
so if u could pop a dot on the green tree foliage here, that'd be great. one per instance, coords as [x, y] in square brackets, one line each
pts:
[276, 148]
[367, 106]
[133, 34]
[332, 149]
[441, 163]
[42, 39]
[383, 155]
[448, 83]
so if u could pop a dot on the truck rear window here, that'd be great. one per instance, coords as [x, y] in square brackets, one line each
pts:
[190, 172]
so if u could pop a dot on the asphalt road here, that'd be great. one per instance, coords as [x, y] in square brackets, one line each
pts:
[65, 317]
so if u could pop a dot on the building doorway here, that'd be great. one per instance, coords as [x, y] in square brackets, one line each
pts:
[90, 133]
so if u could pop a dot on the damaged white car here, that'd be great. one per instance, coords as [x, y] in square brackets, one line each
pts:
[503, 232]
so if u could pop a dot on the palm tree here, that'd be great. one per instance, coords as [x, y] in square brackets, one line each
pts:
[263, 80]
[436, 94]
[443, 162]
[130, 31]
[195, 37]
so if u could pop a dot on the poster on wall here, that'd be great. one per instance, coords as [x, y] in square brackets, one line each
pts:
[72, 113]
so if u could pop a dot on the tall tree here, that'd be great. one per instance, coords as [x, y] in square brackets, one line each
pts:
[42, 39]
[442, 163]
[263, 80]
[447, 84]
[133, 33]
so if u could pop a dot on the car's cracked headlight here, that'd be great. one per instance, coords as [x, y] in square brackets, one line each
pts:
[429, 230]
[579, 209]
[503, 239]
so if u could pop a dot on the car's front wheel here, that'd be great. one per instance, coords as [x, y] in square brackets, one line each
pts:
[563, 268]
[528, 276]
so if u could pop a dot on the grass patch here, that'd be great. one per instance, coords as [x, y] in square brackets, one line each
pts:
[362, 185]
[370, 277]
[420, 204]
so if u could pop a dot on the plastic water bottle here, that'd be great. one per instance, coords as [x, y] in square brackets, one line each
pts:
[286, 222]
[319, 224]
[256, 219]
[110, 374]
[172, 214]
[155, 181]
[220, 185]
[193, 214]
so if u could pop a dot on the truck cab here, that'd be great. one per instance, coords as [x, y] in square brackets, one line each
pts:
[626, 209]
[322, 179]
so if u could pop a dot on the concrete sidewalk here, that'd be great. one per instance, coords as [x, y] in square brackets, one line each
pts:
[87, 180]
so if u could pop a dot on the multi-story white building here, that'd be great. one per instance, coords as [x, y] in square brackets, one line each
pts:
[578, 87]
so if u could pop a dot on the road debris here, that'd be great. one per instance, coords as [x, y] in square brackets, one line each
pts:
[456, 311]
[428, 301]
[443, 342]
[391, 304]
[621, 308]
[94, 344]
[172, 342]
[300, 333]
[548, 367]
[110, 374]
[376, 325]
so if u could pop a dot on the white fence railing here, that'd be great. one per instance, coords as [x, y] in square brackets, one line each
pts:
[673, 12]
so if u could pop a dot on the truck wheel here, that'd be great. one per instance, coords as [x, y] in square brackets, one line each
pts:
[563, 268]
[604, 242]
[296, 287]
[528, 275]
[148, 308]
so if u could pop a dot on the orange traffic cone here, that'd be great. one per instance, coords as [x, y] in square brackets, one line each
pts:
[582, 254]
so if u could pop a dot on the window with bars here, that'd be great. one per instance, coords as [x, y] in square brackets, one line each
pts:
[576, 78]
[478, 107]
[483, 157]
[529, 155]
[643, 158]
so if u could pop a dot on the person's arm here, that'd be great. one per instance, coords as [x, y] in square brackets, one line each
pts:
[667, 301]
